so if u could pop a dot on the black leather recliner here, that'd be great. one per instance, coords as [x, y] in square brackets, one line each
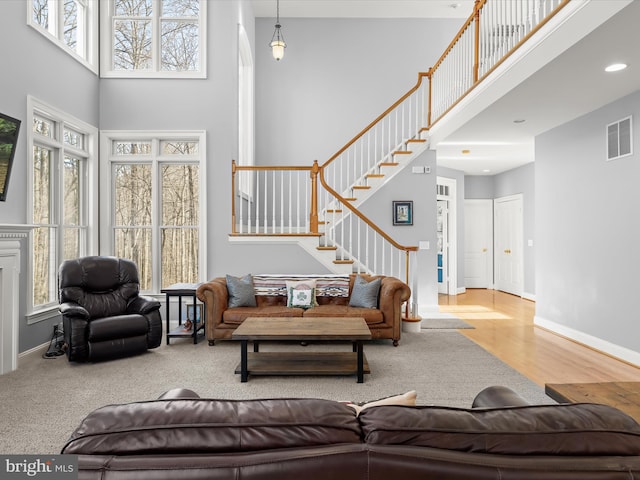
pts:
[103, 314]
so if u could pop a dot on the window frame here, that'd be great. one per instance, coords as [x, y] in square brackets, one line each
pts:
[106, 46]
[55, 34]
[156, 160]
[88, 204]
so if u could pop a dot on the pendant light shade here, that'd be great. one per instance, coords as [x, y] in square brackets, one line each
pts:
[277, 40]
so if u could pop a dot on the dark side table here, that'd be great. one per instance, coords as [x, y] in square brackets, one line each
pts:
[195, 310]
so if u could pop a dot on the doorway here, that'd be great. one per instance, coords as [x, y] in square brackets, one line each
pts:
[508, 246]
[446, 236]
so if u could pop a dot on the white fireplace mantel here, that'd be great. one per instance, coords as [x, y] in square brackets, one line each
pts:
[10, 248]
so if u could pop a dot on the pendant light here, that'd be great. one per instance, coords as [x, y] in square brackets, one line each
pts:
[277, 40]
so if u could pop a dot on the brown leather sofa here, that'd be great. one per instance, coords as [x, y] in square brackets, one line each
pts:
[385, 322]
[182, 436]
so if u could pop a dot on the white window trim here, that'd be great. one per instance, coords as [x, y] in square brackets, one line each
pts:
[106, 188]
[106, 50]
[91, 191]
[90, 37]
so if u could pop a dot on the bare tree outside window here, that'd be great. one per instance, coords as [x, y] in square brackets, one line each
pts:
[41, 13]
[178, 39]
[71, 12]
[175, 228]
[41, 218]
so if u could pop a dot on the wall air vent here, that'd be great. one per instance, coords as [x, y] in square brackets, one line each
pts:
[619, 139]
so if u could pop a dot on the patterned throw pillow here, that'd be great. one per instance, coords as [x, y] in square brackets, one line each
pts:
[241, 293]
[365, 294]
[301, 294]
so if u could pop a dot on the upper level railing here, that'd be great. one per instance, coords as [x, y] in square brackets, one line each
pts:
[321, 200]
[495, 30]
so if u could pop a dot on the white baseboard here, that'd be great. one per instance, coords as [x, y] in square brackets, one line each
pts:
[596, 343]
[38, 351]
[529, 296]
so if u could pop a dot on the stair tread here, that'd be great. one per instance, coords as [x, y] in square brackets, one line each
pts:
[343, 262]
[375, 175]
[350, 199]
[388, 164]
[416, 140]
[327, 248]
[361, 187]
[402, 152]
[334, 210]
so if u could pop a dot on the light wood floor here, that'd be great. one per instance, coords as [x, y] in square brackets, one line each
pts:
[504, 326]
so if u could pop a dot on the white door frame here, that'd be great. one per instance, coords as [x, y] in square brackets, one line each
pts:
[452, 281]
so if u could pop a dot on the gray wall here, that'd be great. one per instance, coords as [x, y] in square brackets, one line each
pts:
[336, 77]
[587, 232]
[32, 65]
[479, 187]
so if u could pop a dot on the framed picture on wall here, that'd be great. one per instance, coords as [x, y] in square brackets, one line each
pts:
[403, 212]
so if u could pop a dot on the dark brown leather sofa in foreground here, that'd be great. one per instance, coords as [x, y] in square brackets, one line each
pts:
[180, 436]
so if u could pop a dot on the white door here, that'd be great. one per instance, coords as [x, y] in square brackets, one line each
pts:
[508, 252]
[478, 243]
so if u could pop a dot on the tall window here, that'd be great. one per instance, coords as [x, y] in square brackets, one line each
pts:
[72, 24]
[63, 183]
[153, 38]
[154, 205]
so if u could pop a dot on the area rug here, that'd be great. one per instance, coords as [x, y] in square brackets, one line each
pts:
[45, 399]
[444, 323]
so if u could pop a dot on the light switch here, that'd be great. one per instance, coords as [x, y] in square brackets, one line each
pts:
[423, 245]
[530, 243]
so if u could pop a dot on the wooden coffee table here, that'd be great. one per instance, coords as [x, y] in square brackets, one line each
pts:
[257, 329]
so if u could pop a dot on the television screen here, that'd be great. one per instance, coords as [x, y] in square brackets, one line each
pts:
[9, 128]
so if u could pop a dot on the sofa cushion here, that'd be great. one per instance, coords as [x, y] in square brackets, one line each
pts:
[213, 426]
[238, 315]
[365, 294]
[241, 292]
[567, 429]
[301, 294]
[371, 315]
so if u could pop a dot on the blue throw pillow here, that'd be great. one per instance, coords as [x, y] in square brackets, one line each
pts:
[241, 293]
[365, 294]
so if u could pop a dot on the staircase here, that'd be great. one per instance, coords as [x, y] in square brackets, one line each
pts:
[319, 206]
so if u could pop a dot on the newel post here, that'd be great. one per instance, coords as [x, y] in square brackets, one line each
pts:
[313, 215]
[430, 76]
[233, 196]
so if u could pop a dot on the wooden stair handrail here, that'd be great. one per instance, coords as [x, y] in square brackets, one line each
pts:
[421, 75]
[363, 217]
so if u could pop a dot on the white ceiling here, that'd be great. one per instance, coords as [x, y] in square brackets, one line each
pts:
[364, 8]
[557, 89]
